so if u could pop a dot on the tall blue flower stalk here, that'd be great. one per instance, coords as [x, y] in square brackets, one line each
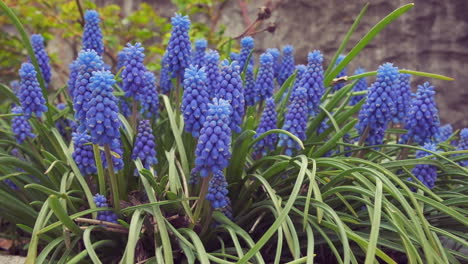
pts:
[149, 97]
[230, 89]
[144, 146]
[361, 85]
[198, 53]
[402, 99]
[83, 154]
[287, 64]
[213, 150]
[268, 121]
[92, 35]
[37, 43]
[133, 76]
[265, 82]
[342, 73]
[88, 62]
[426, 173]
[212, 72]
[249, 91]
[107, 216]
[74, 69]
[295, 121]
[30, 95]
[444, 132]
[247, 45]
[376, 113]
[165, 82]
[178, 48]
[195, 99]
[274, 52]
[312, 81]
[423, 117]
[217, 191]
[463, 145]
[20, 126]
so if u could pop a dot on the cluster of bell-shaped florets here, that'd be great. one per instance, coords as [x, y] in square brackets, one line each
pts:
[287, 64]
[217, 191]
[463, 145]
[74, 69]
[275, 53]
[312, 81]
[30, 94]
[37, 43]
[342, 73]
[360, 86]
[268, 121]
[195, 99]
[402, 99]
[179, 48]
[83, 154]
[92, 35]
[265, 82]
[426, 173]
[212, 72]
[247, 45]
[133, 75]
[20, 125]
[249, 86]
[444, 132]
[107, 216]
[149, 97]
[144, 146]
[213, 150]
[198, 53]
[165, 82]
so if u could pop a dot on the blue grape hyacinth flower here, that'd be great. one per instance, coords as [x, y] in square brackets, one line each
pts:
[195, 99]
[463, 145]
[217, 191]
[83, 154]
[107, 216]
[74, 69]
[249, 91]
[426, 173]
[149, 97]
[198, 53]
[247, 45]
[88, 62]
[20, 125]
[274, 52]
[121, 59]
[361, 85]
[268, 121]
[212, 72]
[134, 71]
[342, 73]
[213, 150]
[165, 82]
[312, 81]
[265, 82]
[102, 118]
[116, 155]
[230, 89]
[423, 117]
[444, 132]
[144, 146]
[31, 97]
[295, 121]
[92, 35]
[234, 56]
[377, 112]
[37, 43]
[178, 48]
[287, 64]
[402, 99]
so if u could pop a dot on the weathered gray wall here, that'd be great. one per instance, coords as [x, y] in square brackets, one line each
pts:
[431, 37]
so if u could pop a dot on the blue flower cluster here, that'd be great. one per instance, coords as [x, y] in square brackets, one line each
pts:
[144, 147]
[83, 154]
[92, 35]
[31, 97]
[268, 121]
[247, 45]
[217, 191]
[198, 53]
[102, 118]
[121, 59]
[463, 145]
[37, 43]
[342, 73]
[301, 69]
[249, 91]
[212, 72]
[379, 106]
[133, 74]
[149, 97]
[64, 124]
[195, 99]
[265, 78]
[116, 156]
[295, 121]
[15, 86]
[423, 118]
[312, 81]
[287, 64]
[124, 107]
[107, 216]
[88, 62]
[74, 68]
[274, 52]
[402, 99]
[426, 173]
[165, 82]
[230, 89]
[213, 150]
[361, 85]
[20, 125]
[234, 56]
[444, 132]
[178, 48]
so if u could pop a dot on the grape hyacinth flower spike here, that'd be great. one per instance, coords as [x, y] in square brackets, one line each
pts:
[234, 56]
[107, 216]
[268, 122]
[37, 43]
[212, 72]
[361, 85]
[92, 35]
[426, 173]
[249, 91]
[463, 145]
[74, 69]
[402, 99]
[165, 82]
[217, 191]
[312, 81]
[295, 121]
[178, 48]
[274, 52]
[287, 64]
[148, 97]
[144, 147]
[247, 45]
[342, 73]
[31, 97]
[198, 53]
[83, 154]
[195, 99]
[134, 71]
[444, 132]
[264, 84]
[20, 125]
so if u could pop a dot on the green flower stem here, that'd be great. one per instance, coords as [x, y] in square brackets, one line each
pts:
[201, 197]
[100, 170]
[113, 178]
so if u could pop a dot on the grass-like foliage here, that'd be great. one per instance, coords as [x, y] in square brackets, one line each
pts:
[197, 176]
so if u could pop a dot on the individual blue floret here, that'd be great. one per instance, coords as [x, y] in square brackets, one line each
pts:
[265, 83]
[37, 43]
[178, 48]
[361, 85]
[144, 146]
[287, 64]
[107, 216]
[20, 125]
[83, 154]
[268, 121]
[31, 97]
[92, 35]
[198, 53]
